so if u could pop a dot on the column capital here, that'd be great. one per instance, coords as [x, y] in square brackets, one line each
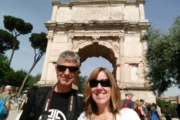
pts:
[49, 37]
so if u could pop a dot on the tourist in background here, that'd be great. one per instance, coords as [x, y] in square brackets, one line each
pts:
[7, 95]
[139, 109]
[154, 113]
[148, 106]
[178, 110]
[142, 102]
[102, 98]
[127, 102]
[20, 100]
[167, 113]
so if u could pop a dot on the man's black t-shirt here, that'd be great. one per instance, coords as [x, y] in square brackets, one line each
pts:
[58, 107]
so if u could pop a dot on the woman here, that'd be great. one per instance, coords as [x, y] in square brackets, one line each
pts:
[102, 98]
[148, 116]
[154, 113]
[167, 112]
[139, 110]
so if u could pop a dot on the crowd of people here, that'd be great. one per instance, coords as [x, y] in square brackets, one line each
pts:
[147, 111]
[101, 99]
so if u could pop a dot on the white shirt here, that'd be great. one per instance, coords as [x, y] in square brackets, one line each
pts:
[125, 114]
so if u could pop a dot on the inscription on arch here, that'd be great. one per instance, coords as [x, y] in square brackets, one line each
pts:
[90, 13]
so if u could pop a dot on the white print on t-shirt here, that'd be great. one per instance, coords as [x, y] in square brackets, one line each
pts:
[55, 114]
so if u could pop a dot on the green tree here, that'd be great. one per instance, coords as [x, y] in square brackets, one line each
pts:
[39, 43]
[4, 68]
[32, 80]
[6, 41]
[16, 27]
[163, 56]
[172, 107]
[15, 78]
[81, 82]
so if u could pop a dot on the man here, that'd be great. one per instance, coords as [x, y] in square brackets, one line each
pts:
[127, 102]
[59, 102]
[7, 95]
[144, 106]
[167, 112]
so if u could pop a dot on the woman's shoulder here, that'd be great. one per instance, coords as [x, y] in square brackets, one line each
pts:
[83, 116]
[127, 114]
[126, 110]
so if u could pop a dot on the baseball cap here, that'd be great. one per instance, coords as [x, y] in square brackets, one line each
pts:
[7, 87]
[129, 93]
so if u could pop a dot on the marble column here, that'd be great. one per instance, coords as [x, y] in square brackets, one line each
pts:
[46, 60]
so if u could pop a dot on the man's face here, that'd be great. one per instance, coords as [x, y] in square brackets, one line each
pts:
[67, 72]
[130, 96]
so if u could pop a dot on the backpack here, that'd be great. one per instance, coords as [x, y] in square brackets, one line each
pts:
[3, 109]
[126, 105]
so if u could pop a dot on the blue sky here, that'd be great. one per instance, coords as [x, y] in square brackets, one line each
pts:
[160, 12]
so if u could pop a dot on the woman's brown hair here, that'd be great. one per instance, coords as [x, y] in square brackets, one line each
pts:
[115, 99]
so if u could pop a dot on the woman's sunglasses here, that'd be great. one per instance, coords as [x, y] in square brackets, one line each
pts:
[103, 82]
[62, 68]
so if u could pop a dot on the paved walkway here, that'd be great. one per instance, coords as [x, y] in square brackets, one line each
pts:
[12, 114]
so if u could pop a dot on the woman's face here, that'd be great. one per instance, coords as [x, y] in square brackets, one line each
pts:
[152, 107]
[101, 95]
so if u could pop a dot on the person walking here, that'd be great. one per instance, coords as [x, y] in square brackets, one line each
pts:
[7, 96]
[60, 102]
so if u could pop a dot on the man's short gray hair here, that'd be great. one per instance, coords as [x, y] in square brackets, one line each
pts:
[69, 56]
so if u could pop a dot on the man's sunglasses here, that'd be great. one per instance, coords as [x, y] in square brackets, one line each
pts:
[103, 82]
[62, 68]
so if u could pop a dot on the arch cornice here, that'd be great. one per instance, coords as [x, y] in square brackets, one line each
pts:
[111, 42]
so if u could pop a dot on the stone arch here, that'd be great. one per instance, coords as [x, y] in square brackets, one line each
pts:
[96, 46]
[96, 50]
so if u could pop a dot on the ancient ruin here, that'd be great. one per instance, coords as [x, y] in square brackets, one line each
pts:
[109, 28]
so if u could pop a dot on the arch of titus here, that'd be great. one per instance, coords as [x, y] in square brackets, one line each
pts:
[108, 28]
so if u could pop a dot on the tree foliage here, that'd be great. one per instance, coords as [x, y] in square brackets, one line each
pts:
[172, 107]
[6, 41]
[15, 78]
[81, 83]
[4, 68]
[16, 27]
[32, 80]
[163, 57]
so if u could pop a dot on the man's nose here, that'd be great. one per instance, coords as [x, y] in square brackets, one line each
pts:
[66, 71]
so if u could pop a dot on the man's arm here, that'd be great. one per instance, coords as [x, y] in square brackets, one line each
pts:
[8, 106]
